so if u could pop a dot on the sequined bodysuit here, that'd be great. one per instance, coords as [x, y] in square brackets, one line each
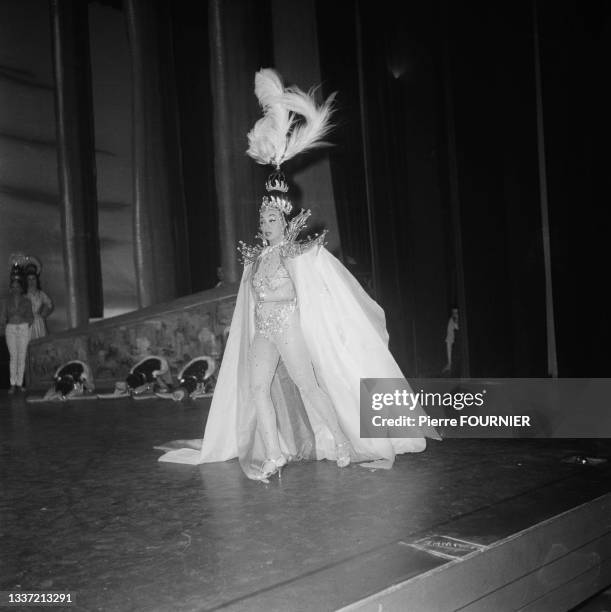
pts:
[275, 297]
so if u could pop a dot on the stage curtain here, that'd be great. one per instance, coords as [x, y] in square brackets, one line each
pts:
[336, 24]
[194, 98]
[401, 119]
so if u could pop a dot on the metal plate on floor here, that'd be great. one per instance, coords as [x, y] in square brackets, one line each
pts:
[445, 546]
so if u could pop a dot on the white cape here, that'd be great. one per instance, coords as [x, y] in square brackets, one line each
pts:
[346, 335]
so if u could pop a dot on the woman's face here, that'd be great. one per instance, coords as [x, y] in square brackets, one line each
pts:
[16, 288]
[271, 224]
[31, 281]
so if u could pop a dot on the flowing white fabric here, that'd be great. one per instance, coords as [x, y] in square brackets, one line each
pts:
[346, 337]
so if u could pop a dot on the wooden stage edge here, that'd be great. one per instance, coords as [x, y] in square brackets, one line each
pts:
[551, 565]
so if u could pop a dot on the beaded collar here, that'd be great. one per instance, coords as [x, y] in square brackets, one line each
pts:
[289, 247]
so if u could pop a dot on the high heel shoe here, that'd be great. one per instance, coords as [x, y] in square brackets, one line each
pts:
[343, 454]
[278, 464]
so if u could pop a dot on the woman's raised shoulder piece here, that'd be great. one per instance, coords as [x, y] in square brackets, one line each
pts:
[294, 249]
[249, 252]
[291, 247]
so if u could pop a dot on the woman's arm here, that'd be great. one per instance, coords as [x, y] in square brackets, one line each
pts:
[46, 308]
[164, 368]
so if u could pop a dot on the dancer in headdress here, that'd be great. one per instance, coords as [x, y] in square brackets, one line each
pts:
[144, 379]
[42, 306]
[303, 331]
[16, 318]
[72, 380]
[194, 380]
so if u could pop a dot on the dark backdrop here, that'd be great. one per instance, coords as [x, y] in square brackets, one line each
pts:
[192, 61]
[428, 87]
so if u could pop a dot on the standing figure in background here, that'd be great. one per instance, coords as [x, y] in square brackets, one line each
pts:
[452, 366]
[220, 275]
[16, 318]
[42, 306]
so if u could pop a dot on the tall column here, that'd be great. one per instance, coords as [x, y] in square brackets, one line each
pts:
[159, 236]
[223, 143]
[76, 160]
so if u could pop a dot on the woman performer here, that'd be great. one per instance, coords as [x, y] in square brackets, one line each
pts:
[304, 332]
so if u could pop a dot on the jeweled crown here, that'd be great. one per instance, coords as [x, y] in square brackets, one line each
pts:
[276, 181]
[277, 203]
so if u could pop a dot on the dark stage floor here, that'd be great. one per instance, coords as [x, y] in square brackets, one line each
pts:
[87, 508]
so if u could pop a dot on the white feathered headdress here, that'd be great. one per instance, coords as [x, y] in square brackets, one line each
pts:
[292, 122]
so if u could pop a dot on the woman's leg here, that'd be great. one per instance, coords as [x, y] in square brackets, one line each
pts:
[263, 361]
[23, 339]
[296, 358]
[11, 343]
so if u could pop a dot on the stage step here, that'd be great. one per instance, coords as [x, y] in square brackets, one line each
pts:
[548, 549]
[553, 565]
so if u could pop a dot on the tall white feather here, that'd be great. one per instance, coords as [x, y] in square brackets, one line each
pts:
[267, 139]
[316, 124]
[292, 121]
